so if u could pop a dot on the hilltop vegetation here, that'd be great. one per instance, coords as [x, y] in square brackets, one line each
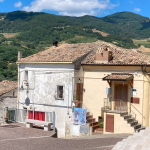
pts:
[32, 32]
[123, 23]
[41, 29]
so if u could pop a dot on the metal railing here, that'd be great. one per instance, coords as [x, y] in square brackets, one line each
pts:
[19, 115]
[107, 104]
[137, 111]
[119, 106]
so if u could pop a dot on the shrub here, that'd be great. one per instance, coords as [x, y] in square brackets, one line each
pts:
[101, 124]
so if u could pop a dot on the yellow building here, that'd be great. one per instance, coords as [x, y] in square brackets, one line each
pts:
[116, 86]
[111, 82]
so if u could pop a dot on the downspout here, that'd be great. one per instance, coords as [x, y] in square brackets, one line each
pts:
[18, 97]
[68, 97]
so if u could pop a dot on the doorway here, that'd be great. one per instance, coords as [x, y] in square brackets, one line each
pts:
[121, 93]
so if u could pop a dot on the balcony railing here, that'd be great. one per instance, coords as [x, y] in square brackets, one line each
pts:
[119, 106]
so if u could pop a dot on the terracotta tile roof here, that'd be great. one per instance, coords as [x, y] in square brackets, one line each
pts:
[119, 76]
[62, 53]
[72, 52]
[6, 86]
[120, 56]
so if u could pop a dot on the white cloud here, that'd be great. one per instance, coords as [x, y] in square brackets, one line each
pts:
[1, 0]
[18, 4]
[137, 9]
[71, 7]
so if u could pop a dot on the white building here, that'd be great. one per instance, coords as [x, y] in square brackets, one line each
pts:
[51, 75]
[8, 94]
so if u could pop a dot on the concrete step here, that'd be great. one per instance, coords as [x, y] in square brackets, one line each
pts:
[95, 122]
[124, 113]
[141, 128]
[88, 116]
[134, 122]
[137, 126]
[130, 119]
[89, 120]
[95, 126]
[138, 141]
[118, 146]
[127, 116]
[98, 130]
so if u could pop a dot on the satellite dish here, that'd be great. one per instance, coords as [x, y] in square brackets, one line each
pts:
[27, 101]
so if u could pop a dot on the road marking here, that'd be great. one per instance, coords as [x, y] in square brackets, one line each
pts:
[98, 147]
[25, 138]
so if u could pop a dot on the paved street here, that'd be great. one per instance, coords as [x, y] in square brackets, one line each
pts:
[17, 137]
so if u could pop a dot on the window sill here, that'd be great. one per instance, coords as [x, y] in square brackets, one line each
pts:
[59, 98]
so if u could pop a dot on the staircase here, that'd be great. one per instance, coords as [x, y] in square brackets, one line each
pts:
[138, 141]
[121, 108]
[91, 121]
[131, 120]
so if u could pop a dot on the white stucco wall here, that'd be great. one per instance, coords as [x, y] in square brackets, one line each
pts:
[8, 99]
[43, 80]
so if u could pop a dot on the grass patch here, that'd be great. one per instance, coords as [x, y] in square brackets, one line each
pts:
[9, 35]
[81, 39]
[144, 42]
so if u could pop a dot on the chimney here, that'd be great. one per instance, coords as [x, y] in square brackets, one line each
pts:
[103, 55]
[55, 43]
[19, 55]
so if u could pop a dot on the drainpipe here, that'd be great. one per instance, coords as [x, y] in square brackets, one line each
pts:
[19, 57]
[146, 101]
[18, 86]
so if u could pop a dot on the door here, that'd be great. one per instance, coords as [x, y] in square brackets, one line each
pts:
[79, 94]
[109, 123]
[11, 115]
[121, 93]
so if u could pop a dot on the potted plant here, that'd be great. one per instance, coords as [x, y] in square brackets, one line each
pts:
[75, 99]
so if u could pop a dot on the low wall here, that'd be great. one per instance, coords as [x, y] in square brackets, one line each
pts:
[79, 130]
[120, 125]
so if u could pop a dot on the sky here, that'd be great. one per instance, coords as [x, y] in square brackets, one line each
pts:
[99, 8]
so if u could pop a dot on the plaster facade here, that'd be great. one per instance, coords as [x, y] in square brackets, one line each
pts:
[9, 99]
[95, 89]
[120, 125]
[43, 80]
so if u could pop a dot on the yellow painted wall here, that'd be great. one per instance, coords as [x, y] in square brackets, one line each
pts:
[95, 88]
[120, 125]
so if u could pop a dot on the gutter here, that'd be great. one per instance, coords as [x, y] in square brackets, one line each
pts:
[44, 62]
[114, 65]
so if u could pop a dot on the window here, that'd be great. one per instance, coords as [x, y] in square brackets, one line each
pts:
[26, 76]
[60, 92]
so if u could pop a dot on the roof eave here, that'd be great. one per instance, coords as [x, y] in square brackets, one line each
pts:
[115, 65]
[44, 62]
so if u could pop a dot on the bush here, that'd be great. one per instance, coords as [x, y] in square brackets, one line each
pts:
[101, 124]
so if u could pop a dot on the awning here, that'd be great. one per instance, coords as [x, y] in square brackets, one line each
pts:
[119, 77]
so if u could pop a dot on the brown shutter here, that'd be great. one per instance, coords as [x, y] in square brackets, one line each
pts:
[135, 100]
[80, 92]
[109, 123]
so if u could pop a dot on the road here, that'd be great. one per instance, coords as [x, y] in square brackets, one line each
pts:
[17, 137]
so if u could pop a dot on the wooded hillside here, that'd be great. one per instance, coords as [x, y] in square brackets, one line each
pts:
[36, 31]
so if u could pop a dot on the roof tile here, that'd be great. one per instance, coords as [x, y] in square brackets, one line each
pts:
[7, 86]
[72, 52]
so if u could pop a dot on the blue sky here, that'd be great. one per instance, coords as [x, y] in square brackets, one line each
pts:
[99, 8]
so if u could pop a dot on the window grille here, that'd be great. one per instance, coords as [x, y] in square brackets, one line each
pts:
[60, 92]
